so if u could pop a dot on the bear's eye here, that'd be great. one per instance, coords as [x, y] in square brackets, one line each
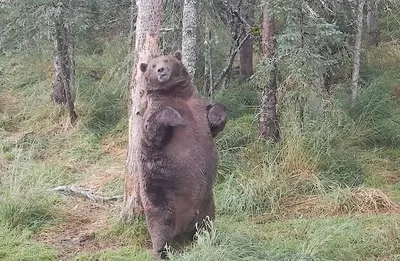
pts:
[153, 66]
[166, 61]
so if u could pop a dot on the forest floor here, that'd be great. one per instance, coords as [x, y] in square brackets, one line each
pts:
[40, 152]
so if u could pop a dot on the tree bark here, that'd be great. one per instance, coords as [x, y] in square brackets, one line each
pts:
[63, 63]
[208, 76]
[373, 32]
[246, 52]
[58, 93]
[148, 25]
[130, 44]
[268, 122]
[71, 54]
[189, 39]
[357, 52]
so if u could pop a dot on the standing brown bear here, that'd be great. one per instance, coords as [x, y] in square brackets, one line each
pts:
[178, 155]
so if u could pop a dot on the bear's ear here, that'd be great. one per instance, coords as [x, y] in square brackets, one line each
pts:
[178, 55]
[143, 67]
[171, 117]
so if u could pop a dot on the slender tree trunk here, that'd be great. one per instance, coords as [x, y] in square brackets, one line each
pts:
[268, 123]
[208, 65]
[131, 48]
[132, 28]
[148, 25]
[189, 39]
[71, 54]
[58, 92]
[63, 63]
[246, 52]
[373, 32]
[357, 52]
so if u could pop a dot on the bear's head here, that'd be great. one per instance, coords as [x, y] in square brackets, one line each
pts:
[165, 73]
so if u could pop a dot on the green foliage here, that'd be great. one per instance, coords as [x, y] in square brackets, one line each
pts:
[389, 22]
[379, 111]
[26, 24]
[308, 46]
[22, 24]
[102, 88]
[239, 99]
[319, 153]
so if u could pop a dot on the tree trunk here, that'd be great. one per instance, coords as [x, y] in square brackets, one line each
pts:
[130, 49]
[357, 52]
[63, 63]
[208, 83]
[268, 123]
[71, 54]
[246, 52]
[373, 32]
[189, 24]
[58, 92]
[148, 25]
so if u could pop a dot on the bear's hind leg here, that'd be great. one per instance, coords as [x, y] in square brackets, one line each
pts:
[207, 209]
[160, 223]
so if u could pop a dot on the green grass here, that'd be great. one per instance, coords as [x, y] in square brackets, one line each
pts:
[341, 238]
[18, 245]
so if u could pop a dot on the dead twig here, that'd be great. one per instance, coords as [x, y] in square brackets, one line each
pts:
[85, 193]
[230, 62]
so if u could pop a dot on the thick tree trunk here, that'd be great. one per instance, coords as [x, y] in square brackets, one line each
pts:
[373, 32]
[148, 25]
[189, 24]
[63, 64]
[246, 52]
[357, 52]
[268, 123]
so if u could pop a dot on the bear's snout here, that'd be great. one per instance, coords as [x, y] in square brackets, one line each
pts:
[163, 73]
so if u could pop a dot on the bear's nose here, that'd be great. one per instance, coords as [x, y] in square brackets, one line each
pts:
[161, 70]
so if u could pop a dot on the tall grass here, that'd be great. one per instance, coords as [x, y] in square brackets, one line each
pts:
[323, 153]
[102, 87]
[17, 245]
[26, 202]
[365, 238]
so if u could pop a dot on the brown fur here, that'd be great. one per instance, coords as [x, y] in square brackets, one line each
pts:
[178, 155]
[217, 116]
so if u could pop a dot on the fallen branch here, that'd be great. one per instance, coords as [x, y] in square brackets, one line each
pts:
[85, 193]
